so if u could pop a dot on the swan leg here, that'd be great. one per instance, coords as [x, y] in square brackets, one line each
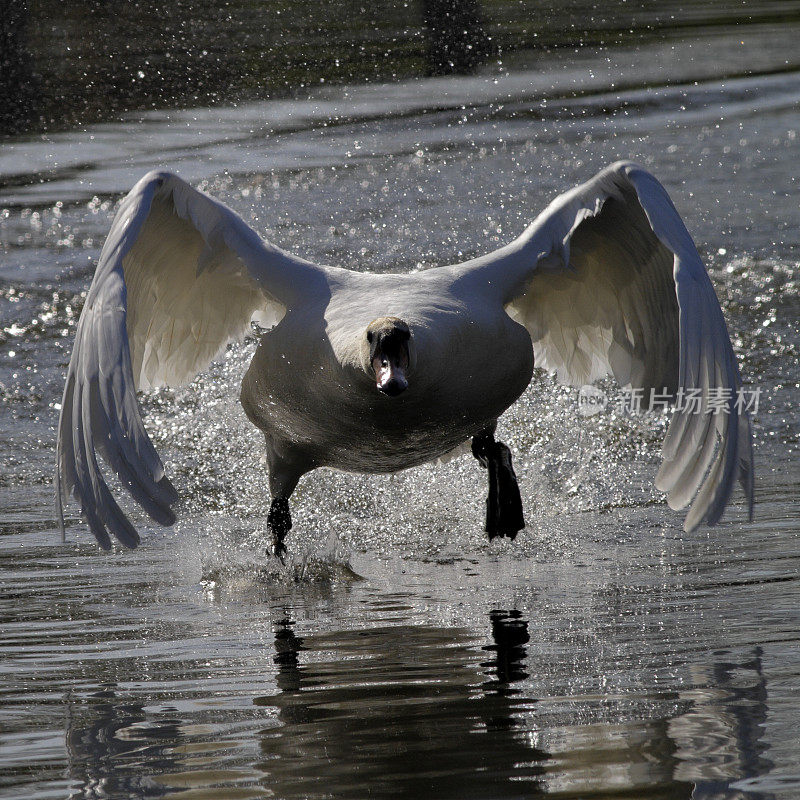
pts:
[279, 521]
[504, 515]
[286, 467]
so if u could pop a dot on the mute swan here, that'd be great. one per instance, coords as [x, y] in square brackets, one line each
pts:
[377, 373]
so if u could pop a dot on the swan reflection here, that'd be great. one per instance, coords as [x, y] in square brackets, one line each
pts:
[425, 711]
[405, 710]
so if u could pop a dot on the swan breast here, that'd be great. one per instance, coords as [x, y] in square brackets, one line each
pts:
[307, 386]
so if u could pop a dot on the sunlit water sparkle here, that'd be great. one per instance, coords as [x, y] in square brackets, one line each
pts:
[398, 653]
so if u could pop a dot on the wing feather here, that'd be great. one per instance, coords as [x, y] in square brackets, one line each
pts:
[179, 277]
[608, 280]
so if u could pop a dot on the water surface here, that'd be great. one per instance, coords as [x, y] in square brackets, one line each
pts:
[604, 653]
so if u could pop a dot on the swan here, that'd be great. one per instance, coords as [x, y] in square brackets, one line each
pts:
[376, 373]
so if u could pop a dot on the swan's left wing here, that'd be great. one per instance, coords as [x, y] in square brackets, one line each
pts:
[179, 277]
[608, 280]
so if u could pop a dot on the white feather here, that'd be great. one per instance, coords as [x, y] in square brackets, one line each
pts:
[608, 280]
[179, 277]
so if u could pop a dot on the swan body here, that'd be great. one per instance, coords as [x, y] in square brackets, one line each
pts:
[377, 373]
[328, 412]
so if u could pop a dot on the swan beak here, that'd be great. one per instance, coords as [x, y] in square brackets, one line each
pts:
[388, 341]
[391, 377]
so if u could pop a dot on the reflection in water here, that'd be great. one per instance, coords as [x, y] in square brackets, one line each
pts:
[287, 649]
[409, 713]
[403, 710]
[719, 739]
[419, 711]
[510, 634]
[698, 748]
[110, 739]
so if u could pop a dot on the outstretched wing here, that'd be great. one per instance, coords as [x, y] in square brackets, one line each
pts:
[608, 280]
[179, 277]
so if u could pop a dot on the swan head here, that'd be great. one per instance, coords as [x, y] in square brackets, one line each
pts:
[388, 343]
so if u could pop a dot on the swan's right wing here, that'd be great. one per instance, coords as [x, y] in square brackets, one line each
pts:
[179, 277]
[607, 280]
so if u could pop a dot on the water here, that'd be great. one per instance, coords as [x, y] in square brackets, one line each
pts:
[66, 64]
[604, 653]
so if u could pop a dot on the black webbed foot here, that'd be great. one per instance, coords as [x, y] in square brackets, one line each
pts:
[504, 515]
[280, 523]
